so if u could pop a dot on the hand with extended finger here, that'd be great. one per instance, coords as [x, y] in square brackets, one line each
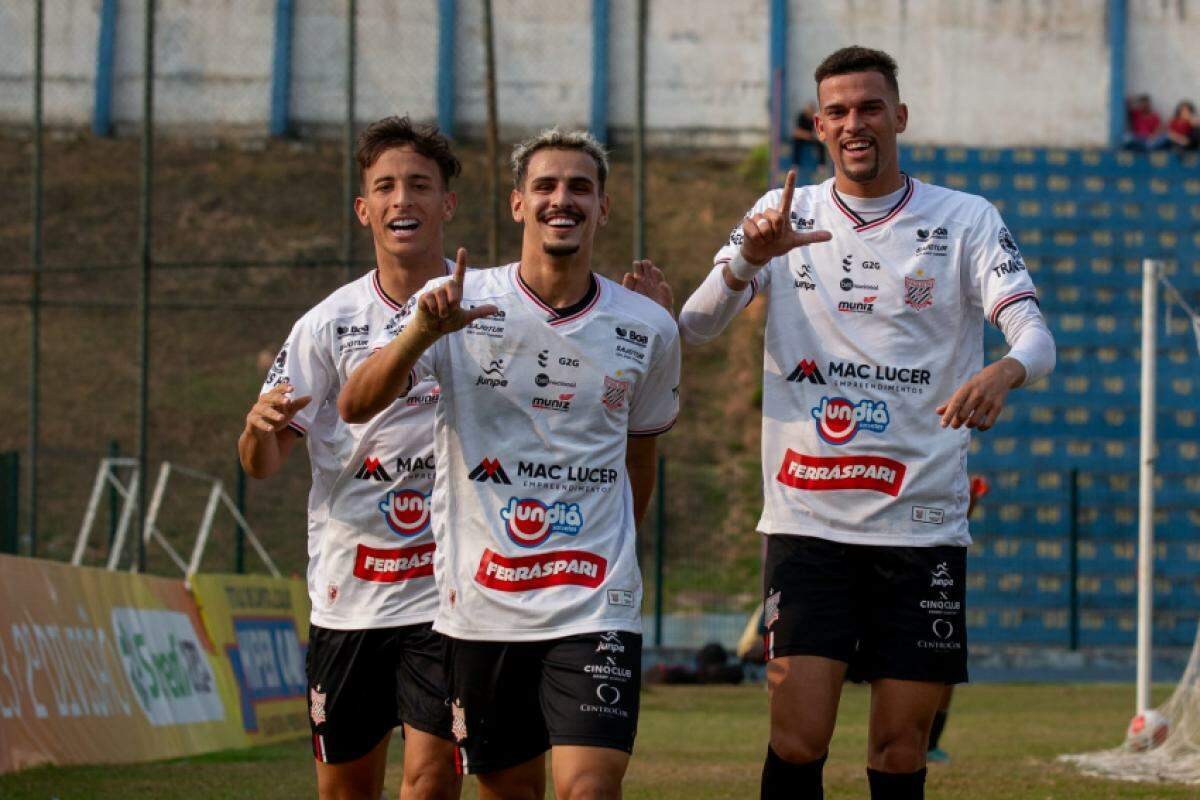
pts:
[770, 233]
[274, 410]
[647, 279]
[439, 311]
[979, 401]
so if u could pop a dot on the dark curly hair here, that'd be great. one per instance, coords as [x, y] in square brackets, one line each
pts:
[391, 132]
[858, 59]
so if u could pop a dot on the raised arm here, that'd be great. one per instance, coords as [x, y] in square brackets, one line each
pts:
[765, 235]
[386, 375]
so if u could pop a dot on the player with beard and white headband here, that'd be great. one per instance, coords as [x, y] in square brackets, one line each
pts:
[555, 383]
[876, 288]
[374, 661]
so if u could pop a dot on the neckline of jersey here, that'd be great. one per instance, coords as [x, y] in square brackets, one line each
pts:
[857, 222]
[385, 298]
[557, 317]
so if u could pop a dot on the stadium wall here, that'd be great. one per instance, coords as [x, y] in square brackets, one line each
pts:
[977, 72]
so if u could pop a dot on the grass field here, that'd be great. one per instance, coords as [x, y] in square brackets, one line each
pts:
[707, 742]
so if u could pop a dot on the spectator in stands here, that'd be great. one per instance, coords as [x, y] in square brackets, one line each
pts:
[1144, 126]
[804, 137]
[1181, 130]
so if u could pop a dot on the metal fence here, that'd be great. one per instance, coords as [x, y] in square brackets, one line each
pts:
[158, 263]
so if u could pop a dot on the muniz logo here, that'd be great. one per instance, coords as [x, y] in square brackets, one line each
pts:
[530, 522]
[406, 512]
[560, 403]
[865, 306]
[839, 421]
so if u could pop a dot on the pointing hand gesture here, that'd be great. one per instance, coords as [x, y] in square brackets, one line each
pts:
[274, 410]
[440, 311]
[771, 234]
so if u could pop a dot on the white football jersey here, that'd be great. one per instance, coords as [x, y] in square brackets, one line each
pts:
[370, 544]
[532, 508]
[866, 335]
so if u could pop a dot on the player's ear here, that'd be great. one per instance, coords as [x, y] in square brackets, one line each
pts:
[819, 125]
[360, 211]
[517, 202]
[605, 203]
[449, 206]
[901, 117]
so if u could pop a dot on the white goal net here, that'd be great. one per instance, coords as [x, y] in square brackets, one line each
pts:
[1177, 758]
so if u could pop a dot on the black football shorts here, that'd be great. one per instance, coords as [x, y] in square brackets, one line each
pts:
[511, 701]
[363, 683]
[888, 612]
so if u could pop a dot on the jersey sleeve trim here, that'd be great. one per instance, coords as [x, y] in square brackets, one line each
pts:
[654, 431]
[299, 429]
[1008, 301]
[722, 262]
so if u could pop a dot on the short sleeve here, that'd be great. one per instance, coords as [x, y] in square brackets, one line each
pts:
[306, 364]
[998, 275]
[655, 403]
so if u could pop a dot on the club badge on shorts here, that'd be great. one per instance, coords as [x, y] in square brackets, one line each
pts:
[317, 703]
[458, 725]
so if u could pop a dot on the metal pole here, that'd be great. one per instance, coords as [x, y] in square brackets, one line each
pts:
[1145, 574]
[143, 411]
[1117, 18]
[351, 170]
[239, 544]
[493, 136]
[639, 139]
[660, 537]
[599, 120]
[114, 451]
[778, 99]
[35, 274]
[445, 75]
[281, 69]
[1073, 555]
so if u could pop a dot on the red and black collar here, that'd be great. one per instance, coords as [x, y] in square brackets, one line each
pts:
[861, 224]
[561, 316]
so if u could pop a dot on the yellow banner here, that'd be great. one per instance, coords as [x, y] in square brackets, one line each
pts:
[260, 625]
[100, 666]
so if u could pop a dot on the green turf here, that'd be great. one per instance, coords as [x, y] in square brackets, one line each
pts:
[707, 742]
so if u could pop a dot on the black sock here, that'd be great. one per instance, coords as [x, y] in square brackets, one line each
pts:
[896, 785]
[782, 780]
[935, 733]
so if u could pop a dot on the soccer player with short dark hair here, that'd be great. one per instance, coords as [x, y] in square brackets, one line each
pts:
[555, 383]
[877, 287]
[374, 660]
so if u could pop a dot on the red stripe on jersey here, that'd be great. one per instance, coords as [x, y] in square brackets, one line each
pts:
[554, 318]
[859, 223]
[1008, 301]
[458, 761]
[381, 294]
[653, 431]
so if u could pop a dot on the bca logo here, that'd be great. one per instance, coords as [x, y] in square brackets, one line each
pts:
[406, 512]
[839, 421]
[530, 521]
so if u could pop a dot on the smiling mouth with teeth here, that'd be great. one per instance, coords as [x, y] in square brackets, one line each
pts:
[403, 225]
[562, 222]
[856, 147]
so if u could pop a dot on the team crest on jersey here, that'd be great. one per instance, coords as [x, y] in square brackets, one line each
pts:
[278, 372]
[406, 512]
[918, 292]
[614, 393]
[316, 699]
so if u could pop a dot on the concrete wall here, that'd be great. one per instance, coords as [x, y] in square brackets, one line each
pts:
[979, 72]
